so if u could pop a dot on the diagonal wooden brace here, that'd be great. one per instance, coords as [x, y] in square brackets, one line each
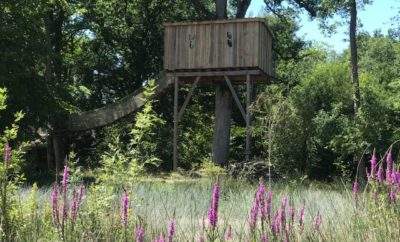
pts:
[187, 99]
[235, 97]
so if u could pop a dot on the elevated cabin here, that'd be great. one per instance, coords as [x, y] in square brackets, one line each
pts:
[220, 47]
[225, 51]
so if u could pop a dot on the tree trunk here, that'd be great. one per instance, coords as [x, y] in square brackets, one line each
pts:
[223, 109]
[223, 98]
[222, 129]
[353, 56]
[354, 78]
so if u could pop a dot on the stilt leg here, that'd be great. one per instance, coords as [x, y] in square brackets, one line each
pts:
[248, 117]
[175, 142]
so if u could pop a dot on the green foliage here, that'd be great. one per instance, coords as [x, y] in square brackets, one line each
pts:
[310, 128]
[10, 176]
[209, 169]
[145, 132]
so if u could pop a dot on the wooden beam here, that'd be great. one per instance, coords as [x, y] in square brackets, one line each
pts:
[248, 116]
[187, 99]
[218, 73]
[235, 97]
[175, 141]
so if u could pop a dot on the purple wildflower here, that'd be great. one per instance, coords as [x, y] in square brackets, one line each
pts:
[77, 197]
[291, 214]
[392, 195]
[201, 238]
[268, 205]
[389, 166]
[228, 233]
[373, 165]
[160, 238]
[64, 183]
[283, 211]
[54, 204]
[64, 190]
[139, 234]
[276, 222]
[379, 175]
[301, 218]
[124, 209]
[396, 177]
[356, 188]
[171, 230]
[260, 197]
[317, 221]
[213, 210]
[253, 214]
[74, 206]
[264, 238]
[7, 154]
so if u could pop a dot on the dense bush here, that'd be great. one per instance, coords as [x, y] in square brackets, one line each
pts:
[310, 127]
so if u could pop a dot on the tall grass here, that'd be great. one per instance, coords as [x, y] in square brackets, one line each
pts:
[153, 204]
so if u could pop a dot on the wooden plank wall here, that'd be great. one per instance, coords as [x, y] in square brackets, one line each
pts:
[200, 46]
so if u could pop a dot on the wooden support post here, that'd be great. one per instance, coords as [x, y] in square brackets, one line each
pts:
[175, 142]
[187, 99]
[248, 116]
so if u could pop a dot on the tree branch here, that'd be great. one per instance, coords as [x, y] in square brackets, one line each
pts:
[242, 7]
[202, 10]
[309, 7]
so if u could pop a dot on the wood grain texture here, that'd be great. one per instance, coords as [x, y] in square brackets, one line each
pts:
[222, 44]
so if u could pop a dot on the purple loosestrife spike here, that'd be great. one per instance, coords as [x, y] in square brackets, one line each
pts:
[228, 233]
[54, 204]
[397, 178]
[379, 175]
[77, 197]
[258, 204]
[274, 226]
[373, 165]
[356, 188]
[161, 238]
[171, 230]
[260, 192]
[124, 208]
[7, 154]
[389, 166]
[201, 238]
[292, 212]
[284, 203]
[268, 205]
[264, 238]
[283, 211]
[213, 210]
[253, 213]
[277, 222]
[392, 195]
[139, 234]
[301, 218]
[260, 196]
[74, 206]
[317, 221]
[64, 183]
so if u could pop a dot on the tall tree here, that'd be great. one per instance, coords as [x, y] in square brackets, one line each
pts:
[223, 108]
[223, 96]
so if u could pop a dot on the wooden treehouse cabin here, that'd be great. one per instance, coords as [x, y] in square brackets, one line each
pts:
[210, 52]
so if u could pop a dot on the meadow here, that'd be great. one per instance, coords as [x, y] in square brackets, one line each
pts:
[179, 210]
